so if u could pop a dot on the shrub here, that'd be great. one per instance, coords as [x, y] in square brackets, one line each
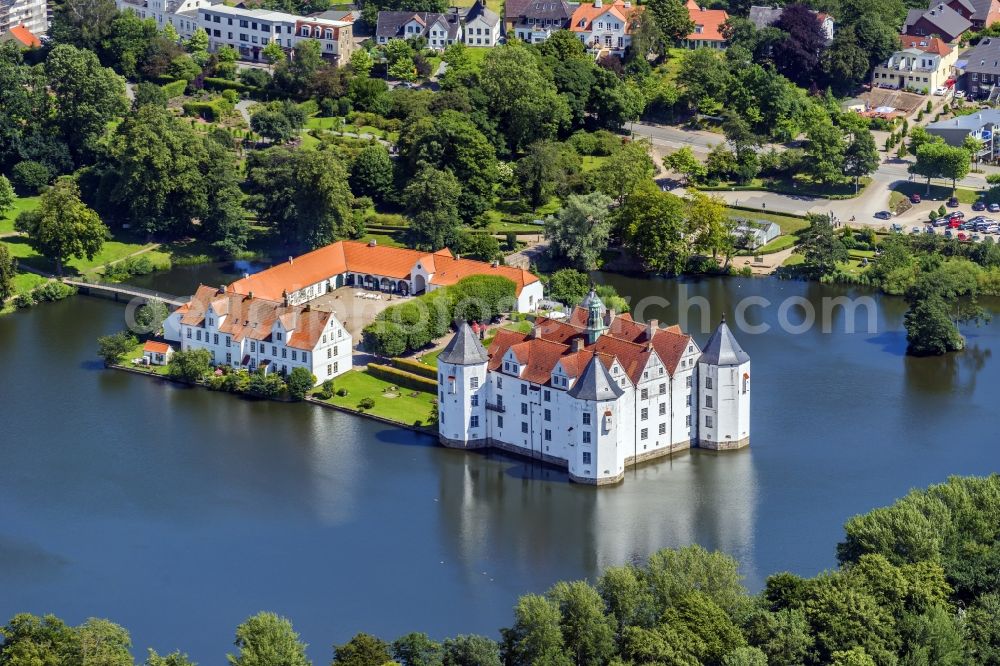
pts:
[213, 83]
[310, 107]
[342, 392]
[29, 177]
[265, 386]
[111, 348]
[236, 382]
[415, 367]
[190, 365]
[402, 378]
[175, 88]
[24, 300]
[326, 390]
[366, 403]
[52, 291]
[211, 111]
[300, 381]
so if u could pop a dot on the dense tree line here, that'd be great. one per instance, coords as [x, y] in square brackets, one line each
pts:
[917, 584]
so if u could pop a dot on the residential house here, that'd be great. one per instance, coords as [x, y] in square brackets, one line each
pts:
[922, 64]
[605, 28]
[156, 353]
[764, 16]
[246, 331]
[21, 36]
[756, 233]
[981, 13]
[534, 21]
[940, 20]
[372, 266]
[481, 25]
[181, 14]
[982, 125]
[31, 15]
[595, 393]
[250, 30]
[707, 27]
[439, 30]
[979, 68]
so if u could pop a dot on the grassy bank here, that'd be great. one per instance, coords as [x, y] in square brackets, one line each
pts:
[405, 406]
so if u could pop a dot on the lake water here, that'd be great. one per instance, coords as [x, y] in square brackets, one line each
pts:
[179, 512]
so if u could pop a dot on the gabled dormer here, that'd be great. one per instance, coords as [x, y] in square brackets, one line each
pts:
[561, 379]
[511, 365]
[654, 368]
[619, 375]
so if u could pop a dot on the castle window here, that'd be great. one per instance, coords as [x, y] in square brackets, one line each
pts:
[586, 437]
[663, 389]
[524, 427]
[644, 414]
[708, 382]
[474, 422]
[663, 429]
[524, 408]
[499, 382]
[475, 400]
[689, 399]
[746, 382]
[547, 395]
[548, 415]
[708, 401]
[524, 389]
[663, 408]
[329, 352]
[708, 420]
[586, 457]
[473, 382]
[586, 418]
[548, 435]
[689, 381]
[687, 420]
[645, 394]
[189, 333]
[499, 421]
[644, 433]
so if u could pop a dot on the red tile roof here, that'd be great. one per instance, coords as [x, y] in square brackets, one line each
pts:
[357, 257]
[156, 347]
[934, 45]
[24, 36]
[709, 20]
[584, 16]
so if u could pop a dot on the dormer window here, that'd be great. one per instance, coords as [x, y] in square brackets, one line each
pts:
[277, 336]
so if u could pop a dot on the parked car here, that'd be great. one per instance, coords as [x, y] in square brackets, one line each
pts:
[915, 230]
[991, 229]
[954, 223]
[953, 202]
[940, 90]
[957, 215]
[994, 207]
[930, 230]
[959, 94]
[962, 236]
[896, 227]
[914, 198]
[883, 215]
[940, 222]
[976, 238]
[979, 205]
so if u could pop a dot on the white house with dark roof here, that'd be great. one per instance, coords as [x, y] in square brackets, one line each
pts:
[594, 394]
[440, 30]
[534, 21]
[481, 26]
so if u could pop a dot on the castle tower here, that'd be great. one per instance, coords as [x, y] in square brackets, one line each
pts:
[462, 391]
[596, 324]
[601, 414]
[723, 392]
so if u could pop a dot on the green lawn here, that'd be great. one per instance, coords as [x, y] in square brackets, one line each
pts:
[21, 204]
[777, 245]
[408, 406]
[593, 162]
[794, 260]
[788, 223]
[112, 251]
[938, 192]
[137, 354]
[25, 282]
[495, 5]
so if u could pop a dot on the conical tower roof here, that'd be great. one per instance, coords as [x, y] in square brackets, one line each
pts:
[595, 383]
[722, 348]
[464, 348]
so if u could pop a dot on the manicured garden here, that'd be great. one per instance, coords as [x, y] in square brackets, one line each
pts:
[401, 405]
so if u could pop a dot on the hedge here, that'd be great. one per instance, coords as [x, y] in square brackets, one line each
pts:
[213, 83]
[207, 110]
[415, 367]
[402, 378]
[174, 88]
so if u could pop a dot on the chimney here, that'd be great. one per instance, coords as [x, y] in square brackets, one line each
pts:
[577, 345]
[628, 4]
[250, 296]
[495, 263]
[598, 4]
[246, 276]
[222, 289]
[284, 297]
[291, 260]
[651, 327]
[372, 243]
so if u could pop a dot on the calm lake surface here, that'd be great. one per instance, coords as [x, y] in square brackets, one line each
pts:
[179, 512]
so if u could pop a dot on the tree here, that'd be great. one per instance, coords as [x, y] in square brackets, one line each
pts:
[87, 95]
[861, 156]
[825, 147]
[431, 199]
[546, 170]
[684, 162]
[938, 300]
[674, 574]
[273, 53]
[82, 23]
[190, 365]
[744, 144]
[268, 640]
[579, 231]
[362, 650]
[954, 163]
[301, 195]
[798, 55]
[8, 271]
[973, 146]
[7, 196]
[361, 62]
[224, 222]
[173, 659]
[821, 246]
[63, 227]
[471, 650]
[929, 163]
[29, 639]
[300, 382]
[371, 173]
[706, 79]
[416, 649]
[536, 636]
[273, 122]
[652, 223]
[626, 170]
[103, 643]
[588, 633]
[111, 348]
[672, 19]
[568, 286]
[710, 224]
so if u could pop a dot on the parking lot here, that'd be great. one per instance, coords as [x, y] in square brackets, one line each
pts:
[964, 222]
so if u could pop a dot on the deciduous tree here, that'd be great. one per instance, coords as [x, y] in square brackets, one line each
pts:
[63, 227]
[266, 640]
